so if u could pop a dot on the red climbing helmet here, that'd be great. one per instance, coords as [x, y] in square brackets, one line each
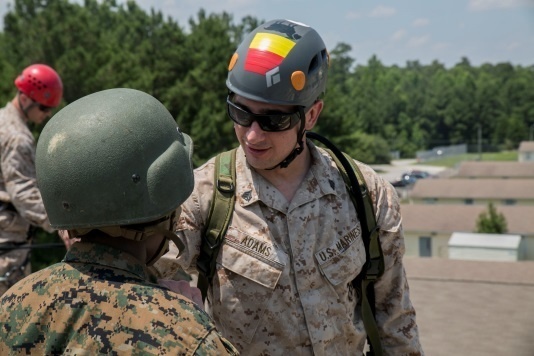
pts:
[42, 84]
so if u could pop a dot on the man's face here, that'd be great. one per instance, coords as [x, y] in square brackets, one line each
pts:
[38, 115]
[265, 149]
[35, 112]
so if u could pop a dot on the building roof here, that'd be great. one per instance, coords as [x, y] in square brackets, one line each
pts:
[462, 218]
[526, 146]
[460, 188]
[487, 169]
[472, 307]
[472, 239]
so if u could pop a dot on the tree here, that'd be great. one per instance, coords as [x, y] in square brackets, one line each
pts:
[491, 222]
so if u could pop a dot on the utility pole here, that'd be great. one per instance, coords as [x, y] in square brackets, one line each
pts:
[531, 137]
[479, 141]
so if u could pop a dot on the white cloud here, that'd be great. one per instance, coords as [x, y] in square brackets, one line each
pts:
[382, 11]
[482, 5]
[440, 46]
[418, 41]
[398, 35]
[512, 46]
[420, 22]
[352, 15]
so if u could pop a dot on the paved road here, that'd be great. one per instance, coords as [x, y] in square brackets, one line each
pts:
[393, 171]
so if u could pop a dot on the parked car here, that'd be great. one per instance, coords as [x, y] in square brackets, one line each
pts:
[417, 174]
[404, 181]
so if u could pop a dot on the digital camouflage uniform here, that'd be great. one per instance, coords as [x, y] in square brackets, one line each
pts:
[20, 201]
[83, 307]
[284, 272]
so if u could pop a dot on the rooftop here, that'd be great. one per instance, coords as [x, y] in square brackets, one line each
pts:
[526, 146]
[462, 218]
[488, 169]
[473, 308]
[460, 188]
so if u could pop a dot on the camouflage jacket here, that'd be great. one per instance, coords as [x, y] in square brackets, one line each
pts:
[20, 199]
[98, 300]
[284, 272]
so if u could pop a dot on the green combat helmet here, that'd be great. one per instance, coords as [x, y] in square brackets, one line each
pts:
[115, 157]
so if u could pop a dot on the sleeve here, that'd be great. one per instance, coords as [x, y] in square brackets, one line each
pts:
[18, 169]
[395, 313]
[215, 344]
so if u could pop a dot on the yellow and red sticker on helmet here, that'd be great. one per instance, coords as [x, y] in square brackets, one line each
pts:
[267, 51]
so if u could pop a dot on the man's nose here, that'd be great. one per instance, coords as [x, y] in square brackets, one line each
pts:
[255, 133]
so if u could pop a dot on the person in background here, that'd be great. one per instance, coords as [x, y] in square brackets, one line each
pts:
[113, 168]
[21, 208]
[283, 273]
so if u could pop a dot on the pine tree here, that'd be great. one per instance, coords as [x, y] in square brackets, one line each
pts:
[491, 222]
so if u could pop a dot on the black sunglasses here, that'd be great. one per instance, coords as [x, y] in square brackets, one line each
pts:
[45, 108]
[268, 122]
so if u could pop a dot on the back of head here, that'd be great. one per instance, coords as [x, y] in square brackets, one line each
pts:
[115, 157]
[42, 84]
[280, 62]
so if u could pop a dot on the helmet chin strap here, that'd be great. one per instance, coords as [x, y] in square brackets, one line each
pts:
[26, 109]
[299, 146]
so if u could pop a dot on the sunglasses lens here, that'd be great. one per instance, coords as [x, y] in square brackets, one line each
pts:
[268, 122]
[239, 116]
[275, 122]
[44, 108]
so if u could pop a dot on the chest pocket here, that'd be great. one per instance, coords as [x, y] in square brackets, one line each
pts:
[248, 270]
[342, 261]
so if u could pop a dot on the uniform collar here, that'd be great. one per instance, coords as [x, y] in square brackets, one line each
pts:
[14, 112]
[96, 254]
[319, 179]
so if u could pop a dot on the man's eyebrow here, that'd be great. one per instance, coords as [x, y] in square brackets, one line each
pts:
[262, 111]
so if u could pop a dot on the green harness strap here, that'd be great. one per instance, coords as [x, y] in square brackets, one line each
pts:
[374, 267]
[222, 207]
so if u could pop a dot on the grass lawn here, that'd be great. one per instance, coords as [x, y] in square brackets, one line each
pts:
[453, 161]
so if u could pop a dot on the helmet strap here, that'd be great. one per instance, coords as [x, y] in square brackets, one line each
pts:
[299, 147]
[25, 109]
[162, 228]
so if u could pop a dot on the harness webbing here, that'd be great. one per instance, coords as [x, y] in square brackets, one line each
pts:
[221, 209]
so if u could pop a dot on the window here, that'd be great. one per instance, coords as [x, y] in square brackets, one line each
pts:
[425, 246]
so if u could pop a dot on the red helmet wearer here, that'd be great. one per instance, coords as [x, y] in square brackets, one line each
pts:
[42, 84]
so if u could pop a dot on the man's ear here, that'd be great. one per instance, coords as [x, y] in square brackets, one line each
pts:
[313, 114]
[24, 99]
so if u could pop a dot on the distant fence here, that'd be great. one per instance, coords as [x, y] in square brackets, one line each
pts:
[440, 152]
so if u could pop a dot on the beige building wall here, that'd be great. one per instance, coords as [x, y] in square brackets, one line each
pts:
[440, 244]
[526, 156]
[471, 201]
[529, 247]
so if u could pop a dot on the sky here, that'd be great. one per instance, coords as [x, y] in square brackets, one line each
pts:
[484, 31]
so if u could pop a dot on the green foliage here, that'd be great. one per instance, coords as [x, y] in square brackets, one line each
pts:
[53, 253]
[454, 161]
[369, 108]
[102, 44]
[365, 148]
[491, 222]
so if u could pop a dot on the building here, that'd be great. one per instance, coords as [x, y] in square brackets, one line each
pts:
[526, 151]
[491, 170]
[473, 246]
[473, 191]
[428, 228]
